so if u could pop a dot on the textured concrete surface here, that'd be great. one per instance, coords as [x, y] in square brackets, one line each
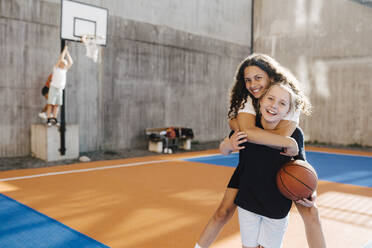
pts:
[151, 74]
[46, 141]
[326, 44]
[221, 20]
[172, 63]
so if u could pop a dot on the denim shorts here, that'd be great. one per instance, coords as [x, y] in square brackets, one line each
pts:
[257, 230]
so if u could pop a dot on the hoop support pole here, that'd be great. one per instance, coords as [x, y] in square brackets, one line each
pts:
[62, 129]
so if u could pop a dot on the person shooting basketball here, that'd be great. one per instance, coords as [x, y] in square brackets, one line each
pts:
[57, 86]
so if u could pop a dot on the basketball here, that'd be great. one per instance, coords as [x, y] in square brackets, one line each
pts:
[297, 179]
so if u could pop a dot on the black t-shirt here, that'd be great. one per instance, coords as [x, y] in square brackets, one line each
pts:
[258, 165]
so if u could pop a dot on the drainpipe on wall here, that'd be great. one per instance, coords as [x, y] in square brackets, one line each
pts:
[252, 26]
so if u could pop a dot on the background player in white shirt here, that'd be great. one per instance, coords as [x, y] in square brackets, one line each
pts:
[57, 85]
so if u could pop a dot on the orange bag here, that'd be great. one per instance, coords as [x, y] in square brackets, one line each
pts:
[47, 84]
[171, 133]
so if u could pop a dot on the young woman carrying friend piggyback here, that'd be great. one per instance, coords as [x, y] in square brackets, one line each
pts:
[253, 77]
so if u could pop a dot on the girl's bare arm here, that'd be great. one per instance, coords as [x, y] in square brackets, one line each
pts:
[275, 139]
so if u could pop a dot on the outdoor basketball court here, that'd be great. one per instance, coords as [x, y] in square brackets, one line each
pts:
[165, 201]
[160, 201]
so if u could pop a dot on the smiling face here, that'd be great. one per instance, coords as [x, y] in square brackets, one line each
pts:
[274, 106]
[256, 80]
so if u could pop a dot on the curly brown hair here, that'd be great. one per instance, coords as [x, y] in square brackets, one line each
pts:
[276, 73]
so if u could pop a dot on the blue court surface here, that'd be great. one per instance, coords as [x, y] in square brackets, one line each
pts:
[340, 168]
[24, 227]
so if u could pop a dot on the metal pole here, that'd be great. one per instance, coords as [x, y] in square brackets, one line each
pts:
[62, 128]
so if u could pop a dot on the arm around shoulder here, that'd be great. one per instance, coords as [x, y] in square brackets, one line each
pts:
[233, 143]
[259, 136]
[226, 147]
[284, 128]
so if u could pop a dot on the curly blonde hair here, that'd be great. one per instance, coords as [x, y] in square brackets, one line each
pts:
[276, 73]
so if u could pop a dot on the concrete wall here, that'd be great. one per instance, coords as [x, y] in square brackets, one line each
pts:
[160, 76]
[172, 62]
[327, 44]
[222, 20]
[155, 71]
[28, 44]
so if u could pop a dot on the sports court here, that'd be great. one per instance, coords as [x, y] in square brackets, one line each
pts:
[136, 66]
[165, 201]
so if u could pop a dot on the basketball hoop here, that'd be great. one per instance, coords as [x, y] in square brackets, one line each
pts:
[85, 23]
[92, 49]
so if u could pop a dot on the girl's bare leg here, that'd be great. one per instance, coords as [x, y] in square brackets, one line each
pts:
[49, 111]
[222, 215]
[55, 111]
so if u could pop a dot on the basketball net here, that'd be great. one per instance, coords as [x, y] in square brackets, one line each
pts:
[92, 49]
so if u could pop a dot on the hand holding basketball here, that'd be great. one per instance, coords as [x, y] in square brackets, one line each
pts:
[296, 180]
[308, 202]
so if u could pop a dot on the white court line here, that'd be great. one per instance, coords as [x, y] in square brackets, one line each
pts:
[135, 164]
[86, 170]
[207, 155]
[98, 168]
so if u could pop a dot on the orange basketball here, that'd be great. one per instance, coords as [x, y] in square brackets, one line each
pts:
[297, 179]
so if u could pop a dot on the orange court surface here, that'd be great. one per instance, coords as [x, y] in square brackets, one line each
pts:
[164, 201]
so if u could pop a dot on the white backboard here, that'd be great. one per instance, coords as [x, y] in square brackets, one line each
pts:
[78, 19]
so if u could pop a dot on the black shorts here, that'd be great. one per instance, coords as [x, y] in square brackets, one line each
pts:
[44, 90]
[234, 180]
